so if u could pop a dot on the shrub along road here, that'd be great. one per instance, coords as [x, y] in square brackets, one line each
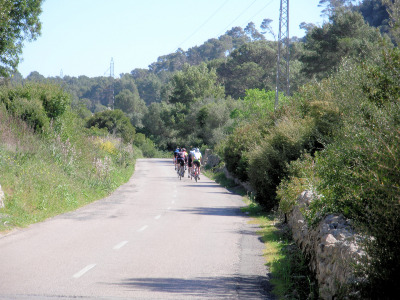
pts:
[156, 237]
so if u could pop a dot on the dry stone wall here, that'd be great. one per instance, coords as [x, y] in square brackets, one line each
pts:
[331, 246]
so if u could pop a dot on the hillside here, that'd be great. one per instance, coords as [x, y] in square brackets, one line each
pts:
[50, 163]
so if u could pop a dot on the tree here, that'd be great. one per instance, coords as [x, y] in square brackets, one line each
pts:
[149, 88]
[36, 77]
[253, 33]
[332, 6]
[252, 65]
[346, 34]
[194, 83]
[115, 121]
[132, 105]
[171, 62]
[19, 21]
[393, 9]
[375, 14]
[267, 28]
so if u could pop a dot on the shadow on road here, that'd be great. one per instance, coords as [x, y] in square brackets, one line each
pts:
[246, 287]
[214, 211]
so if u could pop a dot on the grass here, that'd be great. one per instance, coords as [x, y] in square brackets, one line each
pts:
[290, 275]
[45, 174]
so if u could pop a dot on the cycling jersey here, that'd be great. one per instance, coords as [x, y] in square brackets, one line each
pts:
[197, 156]
[190, 159]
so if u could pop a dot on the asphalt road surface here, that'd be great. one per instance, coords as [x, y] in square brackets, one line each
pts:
[156, 237]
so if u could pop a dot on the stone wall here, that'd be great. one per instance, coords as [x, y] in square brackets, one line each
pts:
[331, 247]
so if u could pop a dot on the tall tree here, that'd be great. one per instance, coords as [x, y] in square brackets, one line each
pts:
[253, 33]
[194, 83]
[393, 9]
[346, 34]
[19, 21]
[252, 65]
[332, 6]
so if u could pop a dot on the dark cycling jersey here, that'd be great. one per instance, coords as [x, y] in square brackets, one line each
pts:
[190, 159]
[181, 157]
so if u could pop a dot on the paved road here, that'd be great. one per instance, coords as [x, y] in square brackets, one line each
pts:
[156, 237]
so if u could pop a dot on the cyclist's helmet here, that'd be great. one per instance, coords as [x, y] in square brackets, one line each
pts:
[197, 150]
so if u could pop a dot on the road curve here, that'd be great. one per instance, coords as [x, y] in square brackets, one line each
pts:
[155, 237]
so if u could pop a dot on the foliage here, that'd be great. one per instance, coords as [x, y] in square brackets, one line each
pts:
[345, 35]
[132, 105]
[257, 104]
[148, 147]
[268, 160]
[393, 10]
[35, 104]
[375, 14]
[116, 123]
[57, 170]
[194, 83]
[367, 189]
[19, 21]
[357, 173]
[236, 147]
[301, 177]
[251, 66]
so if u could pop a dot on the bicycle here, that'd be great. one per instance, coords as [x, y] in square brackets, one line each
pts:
[195, 173]
[181, 172]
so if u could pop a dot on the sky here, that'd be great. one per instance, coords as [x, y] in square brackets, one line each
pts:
[81, 37]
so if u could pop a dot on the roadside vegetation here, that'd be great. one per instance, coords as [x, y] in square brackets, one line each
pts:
[288, 270]
[50, 163]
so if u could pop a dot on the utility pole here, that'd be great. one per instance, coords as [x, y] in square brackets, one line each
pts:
[112, 68]
[282, 72]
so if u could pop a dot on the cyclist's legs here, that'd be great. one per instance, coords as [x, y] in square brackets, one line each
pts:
[190, 167]
[197, 164]
[182, 163]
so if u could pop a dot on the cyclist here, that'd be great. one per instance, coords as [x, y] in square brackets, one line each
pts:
[181, 157]
[197, 159]
[186, 156]
[190, 162]
[175, 155]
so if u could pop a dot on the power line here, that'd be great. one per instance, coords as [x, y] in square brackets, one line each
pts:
[202, 25]
[260, 11]
[238, 16]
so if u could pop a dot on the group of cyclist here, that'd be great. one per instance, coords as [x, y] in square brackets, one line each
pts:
[189, 160]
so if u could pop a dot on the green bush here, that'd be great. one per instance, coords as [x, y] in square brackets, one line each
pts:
[359, 173]
[239, 143]
[360, 178]
[35, 104]
[23, 103]
[269, 160]
[301, 177]
[146, 146]
[115, 121]
[55, 100]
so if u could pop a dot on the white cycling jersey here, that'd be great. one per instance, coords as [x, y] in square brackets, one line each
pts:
[197, 156]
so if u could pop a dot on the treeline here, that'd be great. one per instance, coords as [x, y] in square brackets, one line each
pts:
[170, 101]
